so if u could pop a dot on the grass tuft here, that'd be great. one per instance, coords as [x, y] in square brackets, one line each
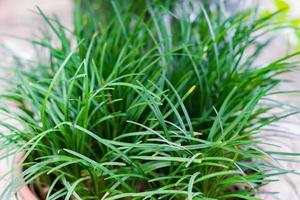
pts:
[151, 103]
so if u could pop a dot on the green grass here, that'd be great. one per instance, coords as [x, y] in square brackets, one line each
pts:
[147, 105]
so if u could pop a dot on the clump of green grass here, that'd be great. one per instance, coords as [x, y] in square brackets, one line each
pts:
[150, 104]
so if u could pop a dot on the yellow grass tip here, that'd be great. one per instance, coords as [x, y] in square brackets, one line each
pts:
[191, 89]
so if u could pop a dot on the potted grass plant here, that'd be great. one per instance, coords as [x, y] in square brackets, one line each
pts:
[156, 100]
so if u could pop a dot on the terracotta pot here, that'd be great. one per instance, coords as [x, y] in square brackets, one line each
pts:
[24, 193]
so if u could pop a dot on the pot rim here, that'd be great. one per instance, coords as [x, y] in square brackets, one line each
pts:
[24, 193]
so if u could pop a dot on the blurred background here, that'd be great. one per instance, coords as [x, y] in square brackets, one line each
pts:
[19, 18]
